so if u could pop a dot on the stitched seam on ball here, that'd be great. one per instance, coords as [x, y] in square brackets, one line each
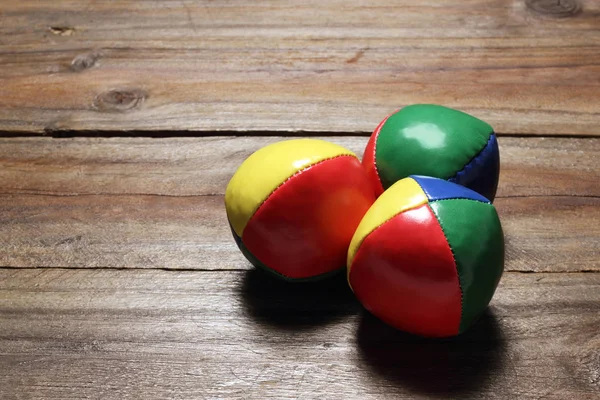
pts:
[296, 174]
[423, 189]
[461, 198]
[375, 150]
[455, 263]
[476, 157]
[449, 198]
[376, 228]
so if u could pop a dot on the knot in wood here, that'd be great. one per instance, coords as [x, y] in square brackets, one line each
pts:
[84, 61]
[61, 30]
[554, 8]
[120, 100]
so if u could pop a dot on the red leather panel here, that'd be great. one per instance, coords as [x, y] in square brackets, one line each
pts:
[369, 160]
[305, 227]
[404, 273]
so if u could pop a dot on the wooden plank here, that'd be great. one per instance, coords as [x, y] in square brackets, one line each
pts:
[201, 166]
[144, 203]
[67, 334]
[101, 231]
[526, 66]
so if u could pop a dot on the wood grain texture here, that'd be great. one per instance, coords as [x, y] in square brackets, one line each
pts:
[203, 166]
[88, 225]
[98, 334]
[101, 231]
[526, 66]
[145, 203]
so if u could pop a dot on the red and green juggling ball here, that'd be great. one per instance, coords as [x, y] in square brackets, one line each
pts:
[294, 205]
[437, 141]
[427, 256]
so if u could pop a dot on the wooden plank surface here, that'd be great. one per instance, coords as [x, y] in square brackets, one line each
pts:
[203, 166]
[542, 233]
[67, 334]
[119, 277]
[526, 66]
[146, 203]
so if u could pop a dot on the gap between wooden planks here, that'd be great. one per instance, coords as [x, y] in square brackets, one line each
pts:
[526, 66]
[67, 334]
[147, 203]
[530, 166]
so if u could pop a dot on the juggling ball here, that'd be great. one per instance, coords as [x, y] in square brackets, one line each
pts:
[436, 141]
[294, 205]
[427, 256]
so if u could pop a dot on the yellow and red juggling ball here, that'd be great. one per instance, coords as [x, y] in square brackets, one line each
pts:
[293, 206]
[427, 256]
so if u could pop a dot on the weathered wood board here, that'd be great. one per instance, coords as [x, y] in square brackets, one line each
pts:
[158, 203]
[70, 334]
[526, 66]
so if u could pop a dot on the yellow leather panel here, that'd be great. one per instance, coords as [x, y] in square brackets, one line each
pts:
[401, 196]
[267, 169]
